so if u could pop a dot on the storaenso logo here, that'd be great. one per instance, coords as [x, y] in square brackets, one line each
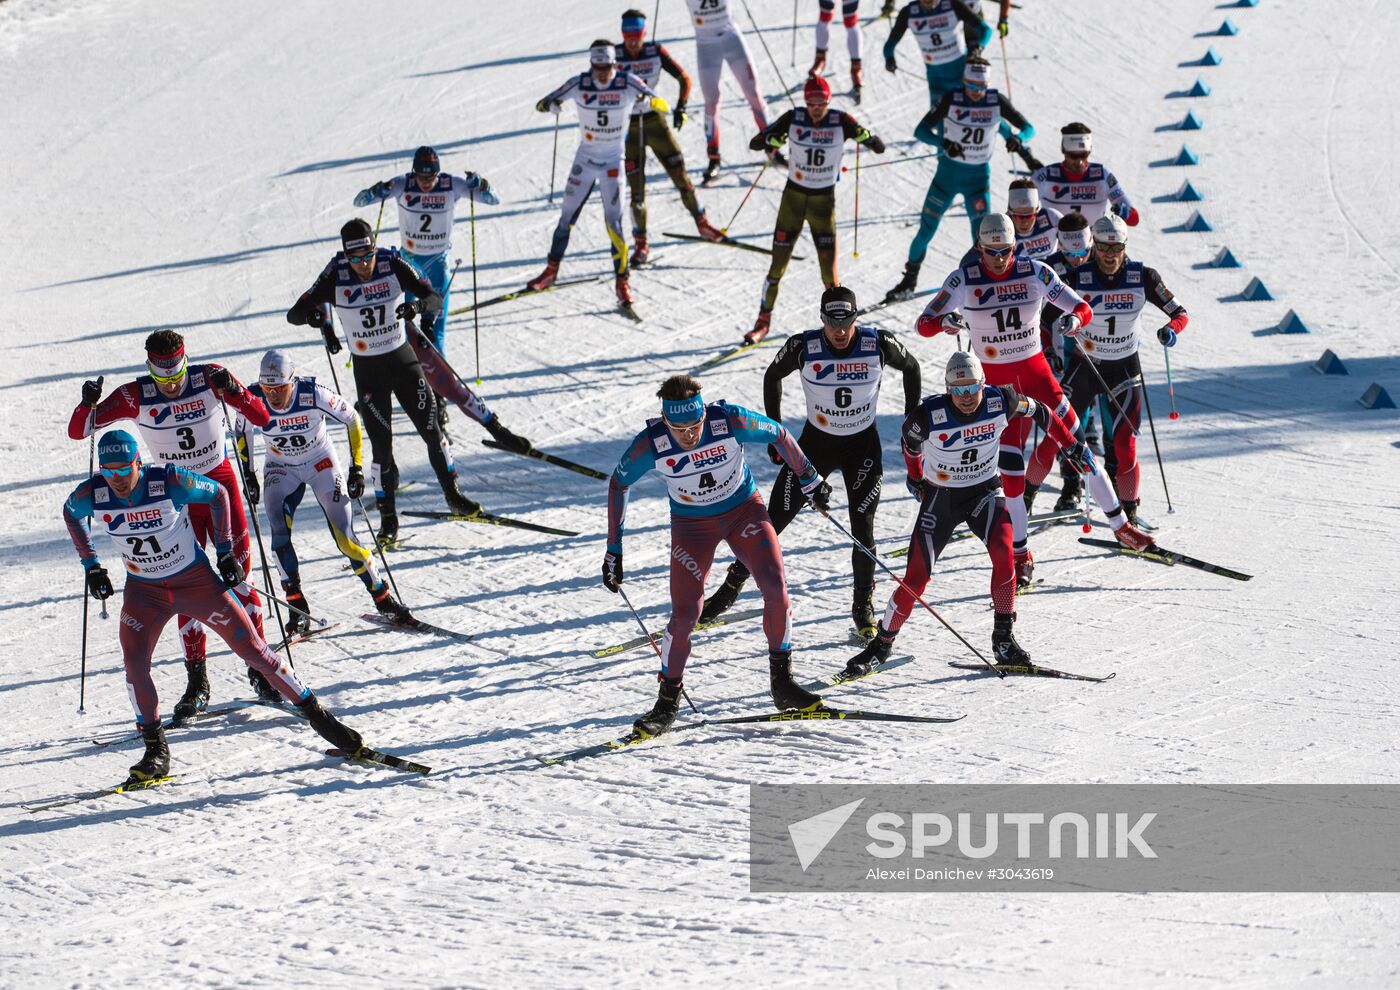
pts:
[1072, 838]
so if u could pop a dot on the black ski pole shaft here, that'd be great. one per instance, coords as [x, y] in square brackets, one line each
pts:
[257, 532]
[794, 32]
[768, 160]
[554, 158]
[1147, 404]
[379, 220]
[917, 597]
[655, 13]
[476, 318]
[388, 572]
[655, 649]
[855, 253]
[1117, 406]
[771, 60]
[92, 466]
[330, 359]
[893, 161]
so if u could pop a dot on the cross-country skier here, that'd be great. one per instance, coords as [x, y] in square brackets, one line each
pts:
[1078, 184]
[850, 17]
[997, 302]
[841, 366]
[145, 510]
[963, 125]
[717, 41]
[647, 128]
[1072, 241]
[944, 48]
[952, 444]
[299, 455]
[698, 450]
[365, 284]
[816, 135]
[427, 200]
[178, 409]
[1036, 225]
[1117, 289]
[603, 98]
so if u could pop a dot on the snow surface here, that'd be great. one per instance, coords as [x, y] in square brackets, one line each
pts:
[189, 164]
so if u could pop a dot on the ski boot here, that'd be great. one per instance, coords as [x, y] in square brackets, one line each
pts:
[907, 283]
[299, 619]
[156, 762]
[663, 713]
[1025, 569]
[623, 288]
[818, 64]
[863, 614]
[1005, 649]
[457, 503]
[388, 528]
[1029, 496]
[544, 279]
[328, 727]
[1132, 538]
[711, 169]
[1071, 491]
[760, 328]
[641, 251]
[723, 598]
[1129, 509]
[386, 604]
[510, 441]
[196, 696]
[706, 229]
[876, 652]
[262, 687]
[857, 80]
[788, 695]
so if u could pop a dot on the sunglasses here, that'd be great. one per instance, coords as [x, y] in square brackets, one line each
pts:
[1076, 255]
[966, 390]
[119, 471]
[359, 259]
[997, 252]
[167, 379]
[1111, 248]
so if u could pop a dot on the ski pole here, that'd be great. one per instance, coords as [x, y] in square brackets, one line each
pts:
[774, 62]
[92, 466]
[476, 320]
[768, 160]
[1006, 68]
[1118, 407]
[917, 597]
[379, 548]
[379, 220]
[257, 530]
[655, 649]
[892, 161]
[856, 252]
[1147, 403]
[794, 32]
[554, 158]
[1171, 391]
[655, 13]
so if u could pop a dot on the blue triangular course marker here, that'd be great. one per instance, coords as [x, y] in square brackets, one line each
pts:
[1200, 89]
[1255, 292]
[1226, 259]
[1329, 364]
[1187, 157]
[1191, 122]
[1188, 193]
[1247, 3]
[1292, 323]
[1197, 223]
[1209, 58]
[1227, 29]
[1376, 397]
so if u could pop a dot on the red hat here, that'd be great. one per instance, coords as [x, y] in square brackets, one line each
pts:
[817, 90]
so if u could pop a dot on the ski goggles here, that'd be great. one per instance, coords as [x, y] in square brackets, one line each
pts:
[119, 470]
[965, 390]
[360, 259]
[996, 252]
[167, 374]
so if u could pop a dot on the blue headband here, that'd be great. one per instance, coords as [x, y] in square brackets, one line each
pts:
[683, 410]
[634, 25]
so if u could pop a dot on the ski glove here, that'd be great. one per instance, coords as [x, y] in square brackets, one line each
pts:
[918, 487]
[953, 149]
[820, 494]
[355, 481]
[408, 310]
[1003, 28]
[1080, 457]
[332, 341]
[230, 571]
[1165, 333]
[954, 323]
[612, 571]
[475, 182]
[875, 144]
[890, 65]
[678, 116]
[773, 454]
[364, 197]
[1068, 325]
[254, 490]
[99, 584]
[92, 392]
[1128, 213]
[220, 379]
[1014, 144]
[547, 105]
